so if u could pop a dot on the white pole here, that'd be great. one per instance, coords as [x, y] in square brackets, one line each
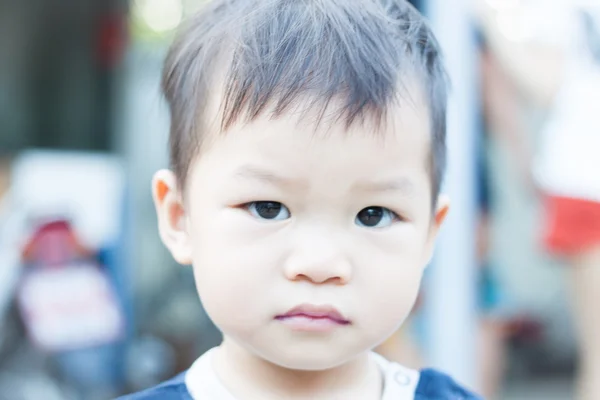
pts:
[451, 284]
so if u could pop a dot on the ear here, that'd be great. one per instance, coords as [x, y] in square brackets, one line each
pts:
[441, 212]
[168, 201]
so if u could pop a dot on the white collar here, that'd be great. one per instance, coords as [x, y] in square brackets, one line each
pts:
[203, 383]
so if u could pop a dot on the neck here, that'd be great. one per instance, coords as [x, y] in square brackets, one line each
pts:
[248, 376]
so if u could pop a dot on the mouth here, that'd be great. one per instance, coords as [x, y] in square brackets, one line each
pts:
[309, 317]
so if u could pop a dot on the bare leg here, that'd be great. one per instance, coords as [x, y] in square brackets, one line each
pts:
[585, 274]
[491, 357]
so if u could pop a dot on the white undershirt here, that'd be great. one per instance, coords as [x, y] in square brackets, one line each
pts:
[202, 382]
[568, 159]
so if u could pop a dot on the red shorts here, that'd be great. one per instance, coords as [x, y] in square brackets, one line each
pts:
[571, 225]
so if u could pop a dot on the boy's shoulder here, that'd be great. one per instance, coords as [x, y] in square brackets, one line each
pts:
[437, 385]
[401, 383]
[427, 384]
[173, 389]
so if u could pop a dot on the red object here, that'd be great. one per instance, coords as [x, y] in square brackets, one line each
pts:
[112, 39]
[571, 225]
[54, 244]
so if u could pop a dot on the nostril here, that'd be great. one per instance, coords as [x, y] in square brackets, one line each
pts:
[334, 280]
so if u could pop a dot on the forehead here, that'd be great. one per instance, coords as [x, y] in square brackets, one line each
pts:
[312, 145]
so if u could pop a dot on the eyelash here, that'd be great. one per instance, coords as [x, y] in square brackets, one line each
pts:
[381, 213]
[386, 215]
[252, 209]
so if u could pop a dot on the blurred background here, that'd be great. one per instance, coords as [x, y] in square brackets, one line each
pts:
[91, 304]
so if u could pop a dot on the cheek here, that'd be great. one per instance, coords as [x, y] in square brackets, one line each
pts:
[390, 305]
[233, 278]
[227, 292]
[390, 282]
[391, 297]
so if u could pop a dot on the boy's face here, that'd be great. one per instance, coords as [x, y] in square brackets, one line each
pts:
[308, 248]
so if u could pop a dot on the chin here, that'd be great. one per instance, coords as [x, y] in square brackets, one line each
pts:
[302, 359]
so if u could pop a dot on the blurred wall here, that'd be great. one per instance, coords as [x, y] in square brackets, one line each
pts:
[54, 92]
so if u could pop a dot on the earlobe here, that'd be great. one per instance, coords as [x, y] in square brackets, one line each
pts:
[168, 201]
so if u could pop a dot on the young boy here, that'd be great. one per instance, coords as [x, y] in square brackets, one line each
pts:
[307, 148]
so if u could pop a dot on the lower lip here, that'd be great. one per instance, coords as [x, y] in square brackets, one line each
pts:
[310, 324]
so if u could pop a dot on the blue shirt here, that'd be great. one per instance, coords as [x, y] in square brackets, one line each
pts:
[400, 383]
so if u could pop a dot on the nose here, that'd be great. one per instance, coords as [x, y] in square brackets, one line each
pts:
[318, 259]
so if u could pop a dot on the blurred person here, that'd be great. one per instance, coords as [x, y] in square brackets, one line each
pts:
[4, 174]
[406, 345]
[558, 69]
[307, 152]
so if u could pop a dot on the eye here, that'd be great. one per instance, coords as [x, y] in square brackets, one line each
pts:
[375, 217]
[271, 210]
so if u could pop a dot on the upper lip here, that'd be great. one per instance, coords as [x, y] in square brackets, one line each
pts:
[314, 311]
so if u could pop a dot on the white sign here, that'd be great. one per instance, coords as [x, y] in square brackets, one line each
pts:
[70, 307]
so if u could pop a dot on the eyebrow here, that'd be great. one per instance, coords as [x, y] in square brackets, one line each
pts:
[401, 185]
[262, 174]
